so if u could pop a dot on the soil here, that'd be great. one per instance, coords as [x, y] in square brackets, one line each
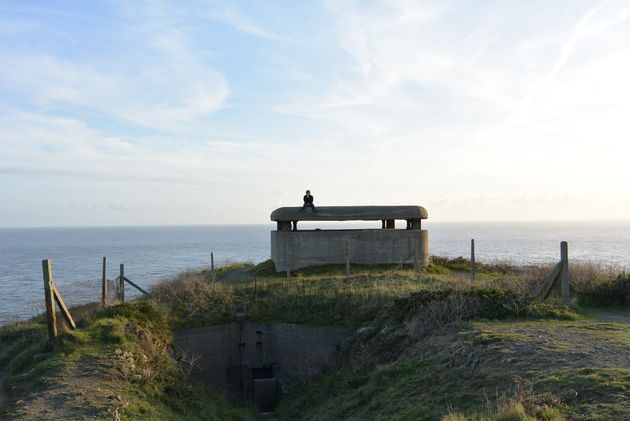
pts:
[612, 316]
[84, 390]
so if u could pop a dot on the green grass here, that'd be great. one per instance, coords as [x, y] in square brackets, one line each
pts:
[425, 347]
[268, 269]
[460, 372]
[148, 379]
[601, 393]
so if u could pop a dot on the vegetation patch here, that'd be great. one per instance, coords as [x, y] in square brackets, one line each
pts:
[115, 366]
[612, 292]
[426, 346]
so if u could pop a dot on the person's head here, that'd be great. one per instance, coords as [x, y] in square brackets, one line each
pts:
[308, 192]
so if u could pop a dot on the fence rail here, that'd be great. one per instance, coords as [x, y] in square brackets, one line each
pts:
[559, 274]
[52, 296]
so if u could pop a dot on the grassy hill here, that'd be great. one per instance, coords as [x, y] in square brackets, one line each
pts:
[427, 347]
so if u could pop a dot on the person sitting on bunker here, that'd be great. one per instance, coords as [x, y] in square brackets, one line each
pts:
[308, 202]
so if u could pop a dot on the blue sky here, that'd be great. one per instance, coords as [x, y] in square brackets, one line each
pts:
[204, 112]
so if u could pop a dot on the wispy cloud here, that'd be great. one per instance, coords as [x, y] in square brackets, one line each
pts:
[230, 108]
[158, 82]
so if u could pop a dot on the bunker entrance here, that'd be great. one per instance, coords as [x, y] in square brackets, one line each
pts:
[265, 389]
[255, 361]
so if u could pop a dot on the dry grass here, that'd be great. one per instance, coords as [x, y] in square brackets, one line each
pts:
[439, 313]
[191, 293]
[510, 410]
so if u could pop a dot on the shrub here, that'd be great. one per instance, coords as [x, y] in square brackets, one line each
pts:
[614, 292]
[428, 310]
[191, 294]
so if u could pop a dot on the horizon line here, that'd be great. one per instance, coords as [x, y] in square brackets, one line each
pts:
[327, 222]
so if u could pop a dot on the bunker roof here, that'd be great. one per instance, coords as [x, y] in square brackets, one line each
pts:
[349, 213]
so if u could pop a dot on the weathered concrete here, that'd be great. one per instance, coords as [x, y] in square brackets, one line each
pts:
[298, 249]
[350, 213]
[294, 249]
[255, 355]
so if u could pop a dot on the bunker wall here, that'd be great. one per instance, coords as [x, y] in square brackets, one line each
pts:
[229, 354]
[297, 249]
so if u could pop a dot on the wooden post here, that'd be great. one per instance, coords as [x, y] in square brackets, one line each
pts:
[122, 283]
[564, 258]
[48, 296]
[212, 277]
[104, 291]
[416, 257]
[286, 261]
[255, 288]
[347, 259]
[473, 268]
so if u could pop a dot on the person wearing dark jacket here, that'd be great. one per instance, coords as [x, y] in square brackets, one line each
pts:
[308, 202]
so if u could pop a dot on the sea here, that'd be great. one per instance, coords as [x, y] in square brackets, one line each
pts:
[154, 253]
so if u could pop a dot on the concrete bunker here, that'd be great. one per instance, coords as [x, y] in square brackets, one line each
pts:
[292, 248]
[256, 361]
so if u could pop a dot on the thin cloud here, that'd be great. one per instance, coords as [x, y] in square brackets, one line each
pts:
[157, 81]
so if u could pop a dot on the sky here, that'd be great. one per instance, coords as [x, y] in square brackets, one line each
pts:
[165, 112]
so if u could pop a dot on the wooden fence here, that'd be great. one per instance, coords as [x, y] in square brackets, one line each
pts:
[559, 273]
[52, 295]
[117, 284]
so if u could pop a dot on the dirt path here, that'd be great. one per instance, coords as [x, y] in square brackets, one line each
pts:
[612, 316]
[83, 390]
[238, 274]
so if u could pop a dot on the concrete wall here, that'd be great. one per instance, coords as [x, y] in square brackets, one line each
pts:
[286, 350]
[297, 249]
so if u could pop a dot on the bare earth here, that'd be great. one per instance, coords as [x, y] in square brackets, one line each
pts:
[82, 391]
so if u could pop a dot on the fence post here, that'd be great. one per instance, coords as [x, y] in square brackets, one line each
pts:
[104, 291]
[212, 277]
[48, 296]
[347, 259]
[564, 258]
[122, 283]
[286, 261]
[416, 257]
[473, 268]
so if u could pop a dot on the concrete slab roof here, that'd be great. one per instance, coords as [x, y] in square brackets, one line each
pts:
[349, 213]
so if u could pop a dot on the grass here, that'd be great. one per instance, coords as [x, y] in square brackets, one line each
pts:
[471, 371]
[322, 296]
[611, 292]
[423, 348]
[123, 350]
[268, 269]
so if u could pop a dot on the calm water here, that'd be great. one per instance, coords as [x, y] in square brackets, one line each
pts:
[154, 253]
